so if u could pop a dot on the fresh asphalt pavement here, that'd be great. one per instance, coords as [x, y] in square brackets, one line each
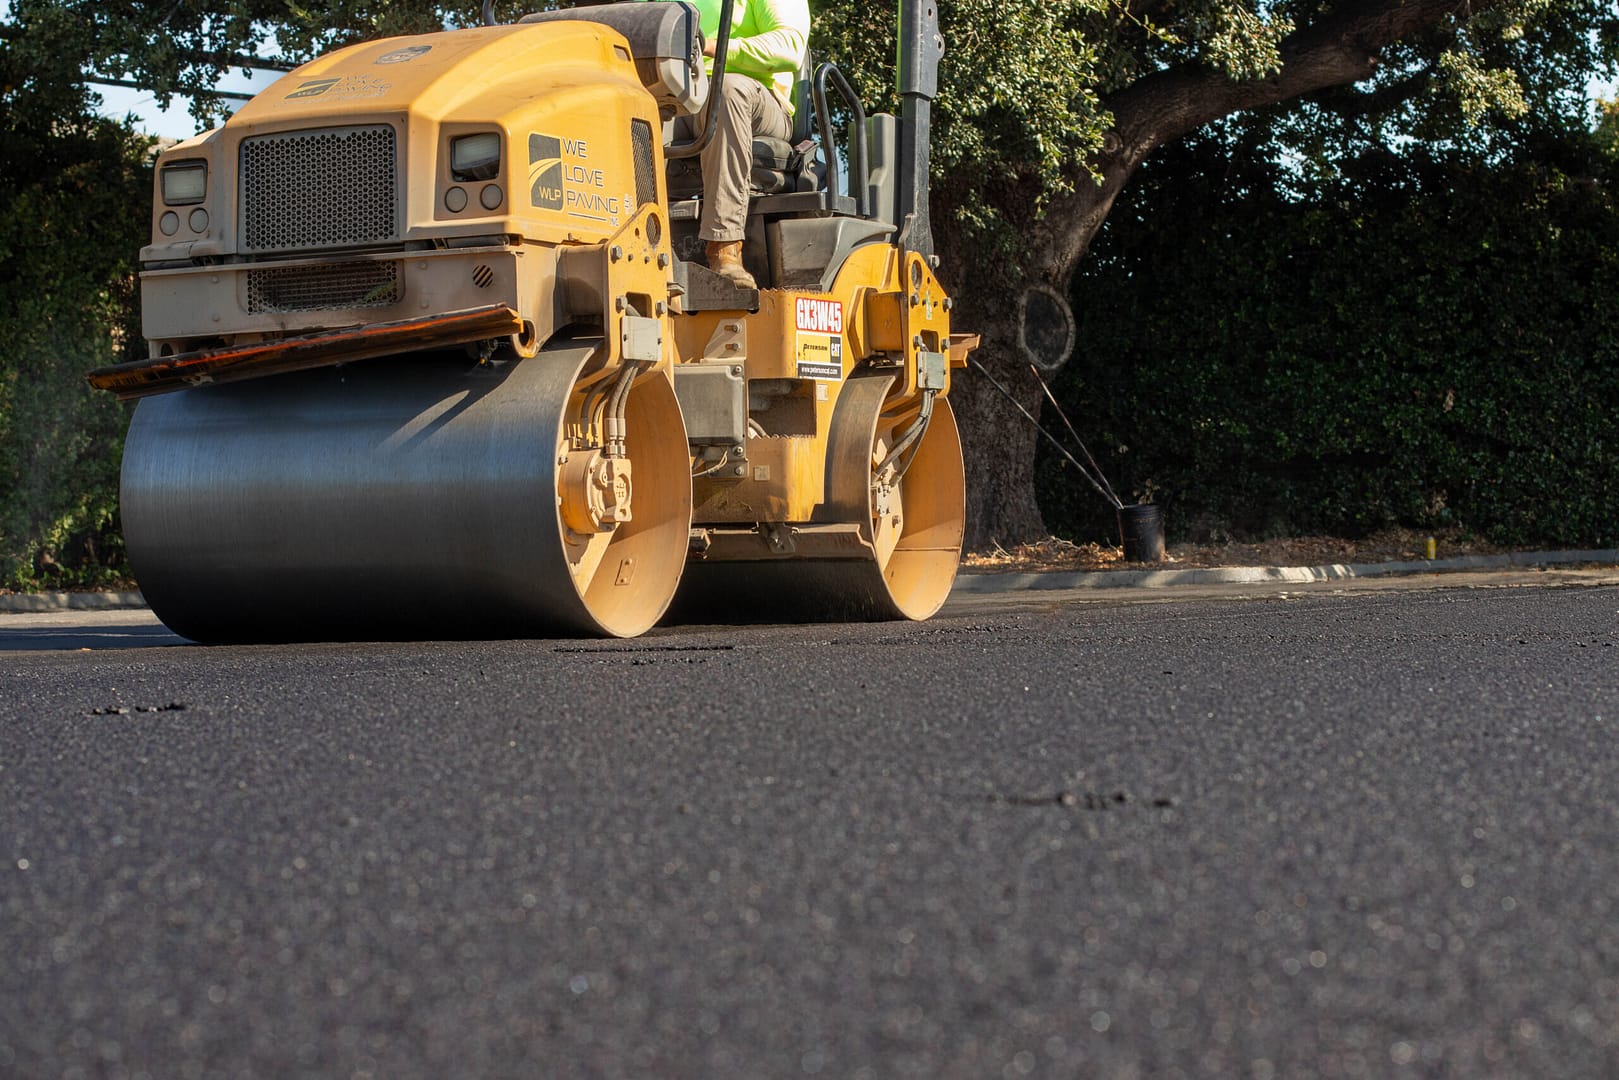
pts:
[1329, 831]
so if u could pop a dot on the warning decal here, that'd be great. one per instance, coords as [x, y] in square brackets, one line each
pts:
[820, 338]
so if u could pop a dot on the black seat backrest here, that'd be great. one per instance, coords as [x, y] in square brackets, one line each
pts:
[803, 107]
[665, 40]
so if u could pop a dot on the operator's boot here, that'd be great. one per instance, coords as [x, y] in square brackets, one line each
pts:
[725, 259]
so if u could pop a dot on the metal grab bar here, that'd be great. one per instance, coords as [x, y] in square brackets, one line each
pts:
[859, 182]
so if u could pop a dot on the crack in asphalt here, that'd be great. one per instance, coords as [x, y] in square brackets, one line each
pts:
[1084, 800]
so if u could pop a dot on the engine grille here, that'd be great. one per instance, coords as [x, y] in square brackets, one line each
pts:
[323, 288]
[646, 179]
[332, 187]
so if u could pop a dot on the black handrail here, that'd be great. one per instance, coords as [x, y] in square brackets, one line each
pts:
[715, 85]
[859, 182]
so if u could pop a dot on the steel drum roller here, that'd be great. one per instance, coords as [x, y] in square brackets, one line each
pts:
[907, 575]
[405, 497]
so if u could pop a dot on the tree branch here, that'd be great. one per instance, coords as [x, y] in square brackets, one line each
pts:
[199, 56]
[1342, 48]
[1350, 104]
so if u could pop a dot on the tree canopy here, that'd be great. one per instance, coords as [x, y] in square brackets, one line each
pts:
[1048, 110]
[73, 212]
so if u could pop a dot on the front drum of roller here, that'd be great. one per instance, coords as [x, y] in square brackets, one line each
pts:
[407, 497]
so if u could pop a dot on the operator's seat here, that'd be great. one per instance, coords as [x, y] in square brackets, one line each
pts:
[807, 213]
[779, 165]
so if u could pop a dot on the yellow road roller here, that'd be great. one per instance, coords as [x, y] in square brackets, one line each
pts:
[432, 353]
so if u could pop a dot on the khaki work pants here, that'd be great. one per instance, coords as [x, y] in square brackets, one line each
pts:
[749, 108]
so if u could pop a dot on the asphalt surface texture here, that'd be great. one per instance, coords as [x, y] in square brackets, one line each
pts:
[1331, 832]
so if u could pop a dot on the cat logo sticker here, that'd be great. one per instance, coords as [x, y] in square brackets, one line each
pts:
[545, 171]
[404, 56]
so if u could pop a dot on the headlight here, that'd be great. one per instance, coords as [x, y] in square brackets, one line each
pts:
[475, 157]
[184, 184]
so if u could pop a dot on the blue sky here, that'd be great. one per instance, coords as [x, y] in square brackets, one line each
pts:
[176, 122]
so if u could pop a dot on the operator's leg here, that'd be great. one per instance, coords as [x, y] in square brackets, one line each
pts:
[748, 109]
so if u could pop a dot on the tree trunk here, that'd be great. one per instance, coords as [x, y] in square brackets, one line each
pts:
[997, 440]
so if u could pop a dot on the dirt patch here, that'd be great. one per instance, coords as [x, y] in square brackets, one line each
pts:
[1391, 545]
[122, 584]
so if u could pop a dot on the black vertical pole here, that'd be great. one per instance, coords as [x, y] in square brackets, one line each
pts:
[920, 47]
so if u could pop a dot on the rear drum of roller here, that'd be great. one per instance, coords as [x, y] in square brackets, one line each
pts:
[911, 579]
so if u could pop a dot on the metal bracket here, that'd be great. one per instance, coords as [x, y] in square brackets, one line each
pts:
[781, 538]
[640, 338]
[713, 399]
[729, 342]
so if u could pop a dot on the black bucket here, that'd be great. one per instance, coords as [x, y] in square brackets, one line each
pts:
[1141, 532]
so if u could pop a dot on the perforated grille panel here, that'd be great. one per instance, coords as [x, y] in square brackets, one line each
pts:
[323, 288]
[646, 181]
[333, 187]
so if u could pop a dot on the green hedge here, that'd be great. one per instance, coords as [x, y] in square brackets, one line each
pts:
[74, 210]
[1432, 346]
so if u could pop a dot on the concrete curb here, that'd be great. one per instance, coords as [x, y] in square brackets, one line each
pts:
[1080, 579]
[1252, 575]
[71, 601]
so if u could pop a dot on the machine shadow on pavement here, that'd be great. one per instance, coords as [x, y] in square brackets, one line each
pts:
[79, 631]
